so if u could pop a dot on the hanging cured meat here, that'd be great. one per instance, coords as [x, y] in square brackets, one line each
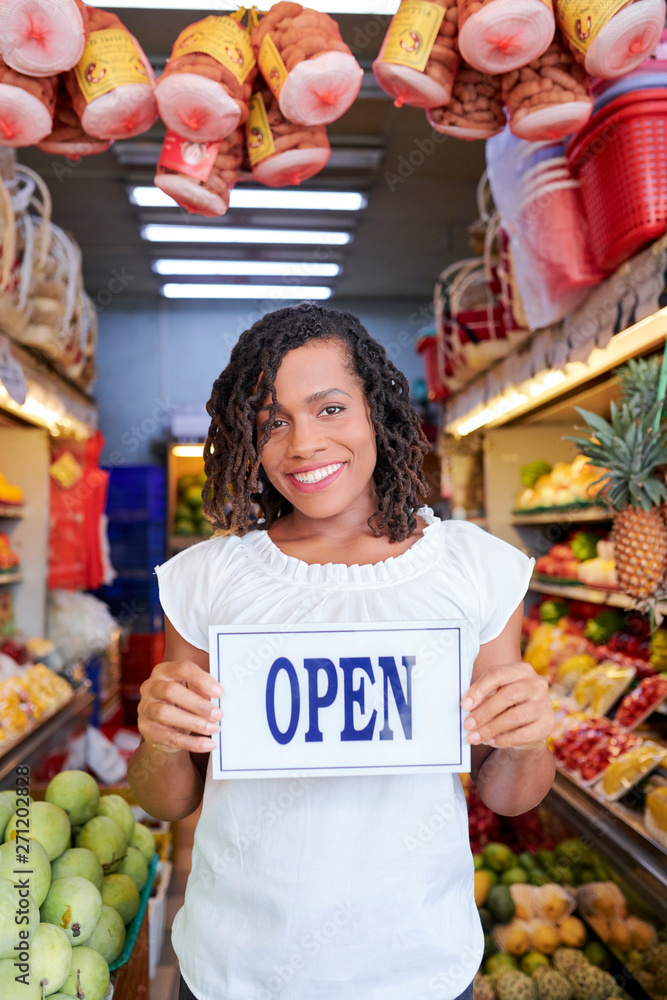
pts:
[200, 176]
[40, 37]
[306, 64]
[112, 87]
[204, 91]
[26, 107]
[496, 36]
[420, 54]
[67, 137]
[281, 153]
[475, 110]
[613, 37]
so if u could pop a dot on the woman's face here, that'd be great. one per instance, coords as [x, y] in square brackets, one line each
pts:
[322, 451]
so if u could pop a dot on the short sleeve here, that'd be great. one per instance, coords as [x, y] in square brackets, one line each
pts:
[183, 585]
[499, 573]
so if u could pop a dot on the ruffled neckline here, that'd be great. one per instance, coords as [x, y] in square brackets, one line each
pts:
[273, 561]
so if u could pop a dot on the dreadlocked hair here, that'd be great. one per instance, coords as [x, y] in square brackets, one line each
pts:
[235, 478]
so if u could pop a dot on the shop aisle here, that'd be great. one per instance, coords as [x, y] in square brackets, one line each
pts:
[164, 986]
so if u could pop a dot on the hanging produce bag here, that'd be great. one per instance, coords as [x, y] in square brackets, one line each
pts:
[612, 37]
[26, 107]
[204, 91]
[550, 98]
[496, 36]
[42, 38]
[419, 54]
[475, 110]
[200, 176]
[306, 64]
[112, 87]
[67, 137]
[279, 152]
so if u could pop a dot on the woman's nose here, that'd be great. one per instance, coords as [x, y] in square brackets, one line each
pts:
[305, 439]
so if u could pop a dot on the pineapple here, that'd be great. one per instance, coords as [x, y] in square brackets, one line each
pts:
[631, 453]
[638, 382]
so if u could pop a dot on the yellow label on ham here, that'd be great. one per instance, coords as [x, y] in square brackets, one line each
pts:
[224, 39]
[110, 59]
[412, 33]
[258, 134]
[270, 64]
[582, 20]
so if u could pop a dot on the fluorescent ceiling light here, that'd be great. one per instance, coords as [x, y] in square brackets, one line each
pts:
[314, 201]
[328, 6]
[250, 268]
[182, 291]
[157, 233]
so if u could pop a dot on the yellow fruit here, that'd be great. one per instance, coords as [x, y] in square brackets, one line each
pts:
[553, 901]
[570, 670]
[524, 900]
[545, 938]
[600, 926]
[482, 886]
[601, 899]
[512, 938]
[573, 932]
[618, 934]
[642, 934]
[538, 650]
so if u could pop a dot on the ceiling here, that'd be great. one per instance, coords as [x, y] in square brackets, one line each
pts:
[421, 192]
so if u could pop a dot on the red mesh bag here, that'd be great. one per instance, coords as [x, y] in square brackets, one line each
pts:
[200, 176]
[281, 153]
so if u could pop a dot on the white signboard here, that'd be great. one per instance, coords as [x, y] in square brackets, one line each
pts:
[336, 699]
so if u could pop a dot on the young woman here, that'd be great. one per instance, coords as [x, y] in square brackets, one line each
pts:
[332, 888]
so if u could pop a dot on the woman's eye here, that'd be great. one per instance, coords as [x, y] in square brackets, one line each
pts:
[333, 410]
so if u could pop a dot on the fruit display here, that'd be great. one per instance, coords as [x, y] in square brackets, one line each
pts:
[564, 484]
[27, 697]
[642, 701]
[80, 901]
[585, 557]
[188, 515]
[586, 748]
[655, 813]
[599, 688]
[10, 561]
[624, 772]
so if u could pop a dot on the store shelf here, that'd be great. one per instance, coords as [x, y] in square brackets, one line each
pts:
[33, 743]
[556, 516]
[613, 598]
[620, 836]
[12, 513]
[7, 578]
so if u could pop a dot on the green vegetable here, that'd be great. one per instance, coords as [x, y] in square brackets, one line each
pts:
[601, 628]
[552, 611]
[584, 545]
[531, 473]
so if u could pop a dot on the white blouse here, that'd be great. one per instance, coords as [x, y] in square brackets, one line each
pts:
[336, 888]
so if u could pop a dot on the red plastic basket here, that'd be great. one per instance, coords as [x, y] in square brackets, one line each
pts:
[620, 158]
[428, 348]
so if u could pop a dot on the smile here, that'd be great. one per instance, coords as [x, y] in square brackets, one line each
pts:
[317, 479]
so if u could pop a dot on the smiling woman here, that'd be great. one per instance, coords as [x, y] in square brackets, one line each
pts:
[310, 887]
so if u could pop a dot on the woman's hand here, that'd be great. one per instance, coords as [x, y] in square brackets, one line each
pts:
[175, 707]
[509, 707]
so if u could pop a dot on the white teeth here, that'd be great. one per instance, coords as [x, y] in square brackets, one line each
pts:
[316, 474]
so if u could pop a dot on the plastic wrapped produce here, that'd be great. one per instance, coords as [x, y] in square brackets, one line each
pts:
[67, 137]
[279, 152]
[199, 176]
[550, 98]
[112, 87]
[306, 64]
[419, 54]
[26, 107]
[475, 110]
[204, 91]
[614, 37]
[40, 37]
[496, 36]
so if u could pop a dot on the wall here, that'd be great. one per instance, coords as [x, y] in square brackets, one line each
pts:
[154, 357]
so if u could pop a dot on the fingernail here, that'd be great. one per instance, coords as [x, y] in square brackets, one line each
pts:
[218, 691]
[470, 723]
[215, 713]
[492, 743]
[212, 727]
[474, 738]
[467, 703]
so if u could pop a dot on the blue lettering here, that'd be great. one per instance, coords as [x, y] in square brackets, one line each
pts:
[348, 665]
[317, 701]
[403, 703]
[282, 663]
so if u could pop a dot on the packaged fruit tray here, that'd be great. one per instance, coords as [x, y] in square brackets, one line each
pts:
[642, 701]
[584, 750]
[629, 769]
[132, 929]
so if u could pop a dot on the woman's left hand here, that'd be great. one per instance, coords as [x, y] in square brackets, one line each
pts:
[509, 706]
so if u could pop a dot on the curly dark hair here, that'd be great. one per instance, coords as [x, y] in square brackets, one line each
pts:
[233, 456]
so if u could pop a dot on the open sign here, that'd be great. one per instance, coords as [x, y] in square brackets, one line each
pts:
[329, 699]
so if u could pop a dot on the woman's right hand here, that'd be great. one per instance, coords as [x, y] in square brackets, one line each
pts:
[175, 712]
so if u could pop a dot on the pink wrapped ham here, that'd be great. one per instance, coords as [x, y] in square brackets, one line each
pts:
[496, 36]
[611, 37]
[200, 176]
[420, 54]
[26, 107]
[112, 87]
[306, 64]
[281, 153]
[42, 38]
[204, 91]
[67, 137]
